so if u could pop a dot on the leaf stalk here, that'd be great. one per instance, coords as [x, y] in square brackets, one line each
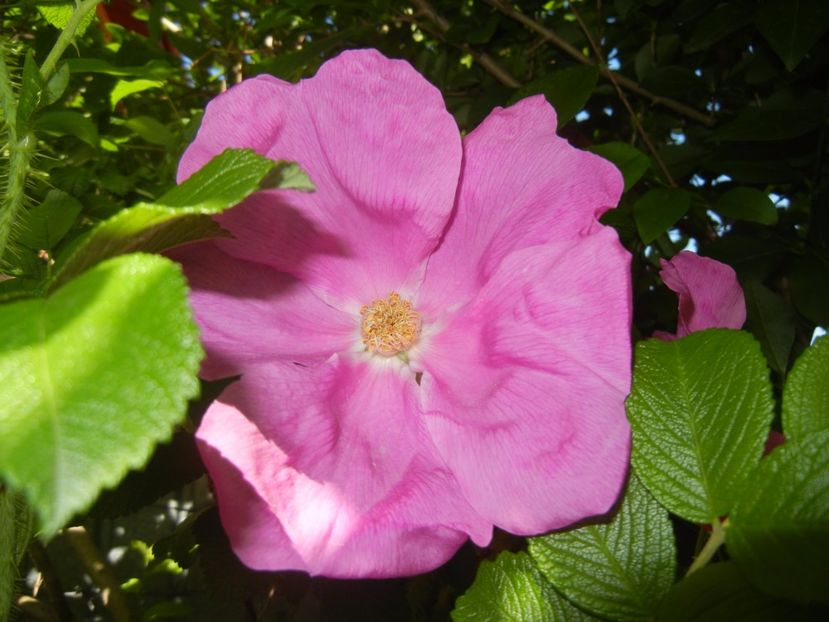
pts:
[712, 545]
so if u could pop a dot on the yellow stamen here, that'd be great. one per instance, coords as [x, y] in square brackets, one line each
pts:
[390, 325]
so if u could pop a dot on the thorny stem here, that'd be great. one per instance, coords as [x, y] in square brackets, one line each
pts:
[20, 154]
[482, 58]
[21, 148]
[627, 83]
[66, 37]
[712, 545]
[633, 117]
[18, 159]
[9, 102]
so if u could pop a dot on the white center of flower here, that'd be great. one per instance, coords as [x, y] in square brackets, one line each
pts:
[390, 325]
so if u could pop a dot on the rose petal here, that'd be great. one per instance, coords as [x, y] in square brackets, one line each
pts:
[524, 390]
[249, 115]
[710, 295]
[340, 458]
[249, 314]
[385, 187]
[521, 185]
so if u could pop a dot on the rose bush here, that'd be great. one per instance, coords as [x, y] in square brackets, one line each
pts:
[435, 342]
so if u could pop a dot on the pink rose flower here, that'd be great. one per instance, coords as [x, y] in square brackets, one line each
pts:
[434, 342]
[709, 293]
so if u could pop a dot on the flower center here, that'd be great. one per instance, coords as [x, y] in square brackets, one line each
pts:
[390, 325]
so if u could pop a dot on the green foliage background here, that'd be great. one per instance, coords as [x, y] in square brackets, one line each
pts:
[714, 110]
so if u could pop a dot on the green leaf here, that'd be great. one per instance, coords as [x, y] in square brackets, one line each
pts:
[747, 204]
[567, 90]
[806, 394]
[58, 15]
[92, 378]
[792, 27]
[720, 593]
[63, 122]
[125, 88]
[56, 85]
[618, 570]
[771, 319]
[512, 589]
[719, 23]
[657, 211]
[184, 213]
[700, 411]
[808, 277]
[43, 226]
[779, 529]
[783, 116]
[31, 92]
[152, 69]
[151, 130]
[630, 161]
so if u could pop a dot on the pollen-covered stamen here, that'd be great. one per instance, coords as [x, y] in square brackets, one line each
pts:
[390, 325]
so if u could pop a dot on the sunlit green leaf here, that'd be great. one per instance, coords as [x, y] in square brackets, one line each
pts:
[512, 589]
[125, 88]
[58, 15]
[184, 213]
[700, 410]
[618, 570]
[92, 378]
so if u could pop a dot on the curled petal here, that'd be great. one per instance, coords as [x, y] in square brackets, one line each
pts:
[521, 185]
[710, 295]
[340, 476]
[383, 153]
[524, 389]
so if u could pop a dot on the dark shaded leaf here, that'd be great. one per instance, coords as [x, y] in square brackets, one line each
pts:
[567, 90]
[658, 210]
[792, 27]
[779, 529]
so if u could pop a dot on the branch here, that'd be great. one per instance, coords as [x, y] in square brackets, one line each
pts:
[715, 541]
[65, 38]
[633, 117]
[50, 581]
[623, 81]
[99, 571]
[482, 58]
